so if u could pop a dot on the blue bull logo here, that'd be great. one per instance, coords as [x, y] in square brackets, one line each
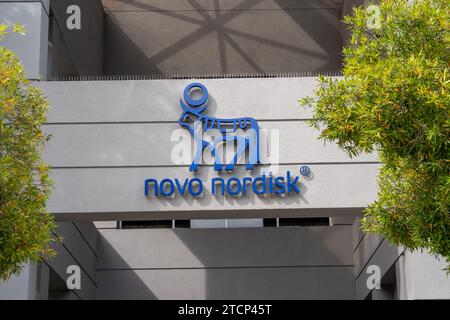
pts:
[197, 123]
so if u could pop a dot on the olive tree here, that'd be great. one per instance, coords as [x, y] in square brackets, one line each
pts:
[393, 98]
[25, 225]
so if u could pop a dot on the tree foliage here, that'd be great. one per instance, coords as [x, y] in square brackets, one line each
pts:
[393, 98]
[25, 225]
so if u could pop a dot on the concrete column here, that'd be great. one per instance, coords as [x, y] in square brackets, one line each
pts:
[400, 278]
[22, 286]
[31, 48]
[42, 282]
[425, 276]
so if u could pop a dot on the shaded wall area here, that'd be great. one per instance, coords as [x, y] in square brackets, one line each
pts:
[49, 48]
[48, 279]
[403, 274]
[75, 52]
[202, 37]
[242, 263]
[77, 247]
[220, 37]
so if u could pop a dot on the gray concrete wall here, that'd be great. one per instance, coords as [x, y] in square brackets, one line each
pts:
[265, 263]
[22, 286]
[425, 276]
[30, 48]
[111, 135]
[216, 37]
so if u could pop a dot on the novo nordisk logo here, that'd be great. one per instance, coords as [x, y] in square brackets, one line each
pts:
[244, 133]
[198, 123]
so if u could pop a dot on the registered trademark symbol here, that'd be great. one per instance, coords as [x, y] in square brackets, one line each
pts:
[305, 171]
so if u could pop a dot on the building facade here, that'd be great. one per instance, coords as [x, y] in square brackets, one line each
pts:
[139, 219]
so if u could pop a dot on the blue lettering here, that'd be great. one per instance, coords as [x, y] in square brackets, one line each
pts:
[191, 188]
[261, 179]
[292, 184]
[147, 184]
[244, 184]
[171, 187]
[279, 183]
[233, 186]
[213, 185]
[230, 188]
[270, 184]
[181, 190]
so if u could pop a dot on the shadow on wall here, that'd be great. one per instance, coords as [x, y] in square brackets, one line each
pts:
[273, 263]
[120, 283]
[197, 37]
[244, 263]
